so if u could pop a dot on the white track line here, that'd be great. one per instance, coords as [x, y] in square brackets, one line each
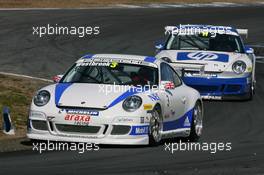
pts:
[128, 6]
[25, 76]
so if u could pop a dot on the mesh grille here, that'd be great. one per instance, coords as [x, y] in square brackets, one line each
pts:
[120, 130]
[78, 129]
[39, 125]
[233, 88]
[206, 88]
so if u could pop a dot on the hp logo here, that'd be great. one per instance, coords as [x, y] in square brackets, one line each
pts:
[202, 56]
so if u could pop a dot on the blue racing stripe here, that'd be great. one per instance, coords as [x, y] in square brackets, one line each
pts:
[88, 56]
[129, 92]
[150, 59]
[59, 89]
[179, 123]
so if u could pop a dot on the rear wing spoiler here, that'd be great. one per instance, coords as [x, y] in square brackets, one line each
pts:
[182, 67]
[243, 32]
[258, 51]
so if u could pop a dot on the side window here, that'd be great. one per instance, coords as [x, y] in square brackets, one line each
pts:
[168, 74]
[165, 74]
[175, 77]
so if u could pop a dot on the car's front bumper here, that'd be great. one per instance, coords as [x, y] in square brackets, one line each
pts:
[138, 140]
[220, 88]
[109, 130]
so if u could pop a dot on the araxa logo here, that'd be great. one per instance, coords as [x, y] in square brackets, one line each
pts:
[74, 117]
[82, 120]
[202, 56]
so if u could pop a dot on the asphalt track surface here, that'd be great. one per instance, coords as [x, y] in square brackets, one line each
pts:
[134, 31]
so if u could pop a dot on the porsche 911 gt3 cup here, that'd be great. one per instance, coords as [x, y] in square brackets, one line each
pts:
[116, 99]
[214, 59]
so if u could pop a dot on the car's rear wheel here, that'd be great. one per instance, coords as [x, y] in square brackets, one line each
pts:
[197, 122]
[155, 127]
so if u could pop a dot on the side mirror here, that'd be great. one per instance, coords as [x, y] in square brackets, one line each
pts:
[167, 85]
[159, 45]
[57, 78]
[249, 50]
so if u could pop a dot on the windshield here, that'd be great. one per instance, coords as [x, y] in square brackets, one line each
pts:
[120, 74]
[219, 42]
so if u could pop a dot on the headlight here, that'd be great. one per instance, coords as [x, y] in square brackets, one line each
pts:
[239, 67]
[42, 98]
[132, 103]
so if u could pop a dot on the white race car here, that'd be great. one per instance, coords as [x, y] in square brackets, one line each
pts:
[116, 99]
[214, 59]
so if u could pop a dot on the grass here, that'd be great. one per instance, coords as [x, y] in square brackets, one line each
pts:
[16, 93]
[94, 3]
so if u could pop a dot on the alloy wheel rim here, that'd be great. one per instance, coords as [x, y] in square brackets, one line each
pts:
[198, 122]
[156, 126]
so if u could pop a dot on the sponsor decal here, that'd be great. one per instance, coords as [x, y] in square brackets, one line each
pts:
[154, 97]
[202, 56]
[142, 120]
[125, 120]
[107, 62]
[193, 74]
[211, 97]
[206, 56]
[147, 106]
[187, 122]
[139, 130]
[78, 119]
[82, 112]
[113, 64]
[169, 85]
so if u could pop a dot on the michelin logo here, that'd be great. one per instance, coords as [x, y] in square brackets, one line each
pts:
[82, 112]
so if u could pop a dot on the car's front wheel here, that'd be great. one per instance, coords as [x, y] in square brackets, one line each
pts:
[155, 127]
[197, 122]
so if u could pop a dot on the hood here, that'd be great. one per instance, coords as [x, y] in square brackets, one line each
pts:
[214, 61]
[90, 95]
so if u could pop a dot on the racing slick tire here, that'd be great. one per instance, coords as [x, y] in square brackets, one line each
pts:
[155, 127]
[251, 92]
[197, 123]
